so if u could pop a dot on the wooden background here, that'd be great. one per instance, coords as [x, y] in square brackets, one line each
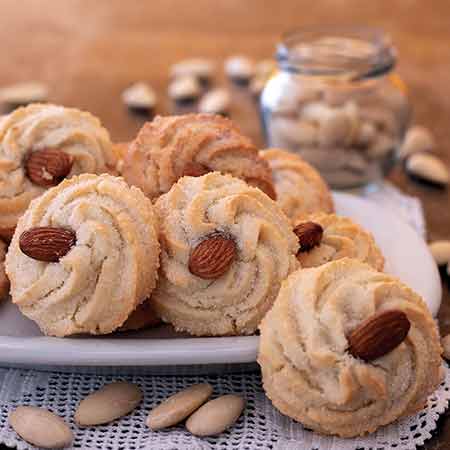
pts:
[89, 51]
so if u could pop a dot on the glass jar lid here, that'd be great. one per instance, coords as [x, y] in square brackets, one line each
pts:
[350, 53]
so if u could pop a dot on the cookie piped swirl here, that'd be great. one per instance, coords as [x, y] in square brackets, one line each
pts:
[341, 238]
[300, 189]
[111, 268]
[309, 372]
[198, 208]
[194, 144]
[45, 126]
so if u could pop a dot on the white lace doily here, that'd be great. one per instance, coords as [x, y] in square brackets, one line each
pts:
[261, 427]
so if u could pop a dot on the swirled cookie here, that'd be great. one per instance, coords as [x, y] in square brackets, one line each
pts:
[4, 282]
[300, 190]
[340, 238]
[120, 150]
[40, 145]
[346, 349]
[84, 256]
[194, 144]
[225, 248]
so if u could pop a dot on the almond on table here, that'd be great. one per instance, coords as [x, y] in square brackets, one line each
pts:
[177, 407]
[108, 403]
[40, 427]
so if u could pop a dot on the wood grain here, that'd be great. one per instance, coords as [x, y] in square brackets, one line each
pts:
[89, 51]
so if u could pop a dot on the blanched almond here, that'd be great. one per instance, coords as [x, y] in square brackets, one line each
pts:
[108, 403]
[428, 167]
[40, 427]
[440, 251]
[179, 406]
[335, 130]
[216, 416]
[417, 139]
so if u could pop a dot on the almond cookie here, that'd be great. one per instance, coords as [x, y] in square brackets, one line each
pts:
[346, 349]
[40, 145]
[226, 247]
[84, 256]
[339, 237]
[4, 282]
[194, 144]
[120, 150]
[299, 188]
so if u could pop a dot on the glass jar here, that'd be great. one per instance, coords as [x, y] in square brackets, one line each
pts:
[335, 101]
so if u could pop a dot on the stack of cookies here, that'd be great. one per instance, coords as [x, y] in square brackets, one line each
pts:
[192, 225]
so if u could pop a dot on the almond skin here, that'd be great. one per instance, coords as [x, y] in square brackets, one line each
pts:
[309, 235]
[265, 186]
[379, 335]
[213, 256]
[48, 167]
[48, 244]
[195, 169]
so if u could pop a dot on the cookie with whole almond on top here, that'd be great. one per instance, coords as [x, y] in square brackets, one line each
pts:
[225, 249]
[84, 256]
[40, 146]
[327, 237]
[299, 187]
[346, 349]
[171, 147]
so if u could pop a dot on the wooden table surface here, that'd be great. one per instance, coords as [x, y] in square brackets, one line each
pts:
[89, 51]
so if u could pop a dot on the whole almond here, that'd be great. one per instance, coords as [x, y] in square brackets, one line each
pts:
[264, 185]
[48, 167]
[40, 427]
[335, 130]
[195, 169]
[428, 167]
[48, 244]
[179, 406]
[108, 403]
[216, 416]
[379, 335]
[417, 139]
[440, 251]
[309, 235]
[213, 256]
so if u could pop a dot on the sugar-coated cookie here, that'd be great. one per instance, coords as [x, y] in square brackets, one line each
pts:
[340, 238]
[225, 248]
[84, 256]
[193, 144]
[299, 187]
[42, 144]
[346, 349]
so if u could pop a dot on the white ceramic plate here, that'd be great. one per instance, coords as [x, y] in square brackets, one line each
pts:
[21, 343]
